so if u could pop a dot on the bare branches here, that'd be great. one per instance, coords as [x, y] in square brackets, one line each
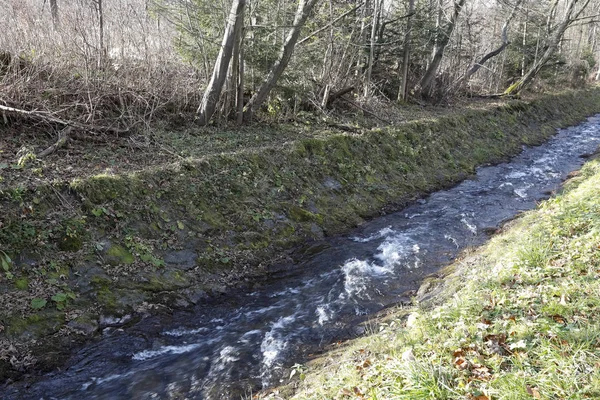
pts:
[335, 21]
[50, 118]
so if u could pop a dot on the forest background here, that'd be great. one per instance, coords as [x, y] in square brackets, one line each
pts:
[110, 66]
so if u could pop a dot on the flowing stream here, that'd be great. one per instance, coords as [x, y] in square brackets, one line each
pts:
[247, 340]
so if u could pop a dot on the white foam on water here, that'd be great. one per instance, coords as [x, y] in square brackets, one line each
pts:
[148, 354]
[545, 160]
[100, 381]
[451, 239]
[538, 172]
[394, 250]
[261, 311]
[285, 292]
[248, 337]
[356, 276]
[227, 355]
[251, 333]
[179, 332]
[273, 344]
[324, 313]
[522, 193]
[470, 226]
[381, 234]
[516, 175]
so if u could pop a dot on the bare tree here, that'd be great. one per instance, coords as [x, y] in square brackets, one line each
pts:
[550, 46]
[505, 43]
[442, 38]
[372, 43]
[217, 80]
[406, 52]
[304, 9]
[54, 12]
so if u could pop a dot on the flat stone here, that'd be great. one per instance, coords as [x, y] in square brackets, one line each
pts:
[86, 327]
[183, 259]
[195, 295]
[332, 184]
[316, 231]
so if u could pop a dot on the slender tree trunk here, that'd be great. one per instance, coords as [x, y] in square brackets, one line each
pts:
[101, 25]
[231, 100]
[54, 12]
[494, 53]
[285, 55]
[406, 54]
[372, 42]
[443, 37]
[241, 82]
[217, 80]
[551, 15]
[550, 48]
[523, 56]
[360, 64]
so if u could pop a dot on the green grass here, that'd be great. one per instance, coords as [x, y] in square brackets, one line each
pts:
[524, 325]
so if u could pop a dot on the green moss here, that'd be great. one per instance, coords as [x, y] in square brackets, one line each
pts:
[287, 231]
[104, 293]
[311, 147]
[298, 214]
[35, 326]
[102, 188]
[22, 283]
[70, 243]
[119, 255]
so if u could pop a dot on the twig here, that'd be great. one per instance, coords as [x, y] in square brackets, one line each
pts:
[336, 95]
[330, 24]
[61, 198]
[364, 110]
[49, 118]
[63, 138]
[345, 128]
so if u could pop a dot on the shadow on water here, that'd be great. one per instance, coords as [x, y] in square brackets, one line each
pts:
[221, 349]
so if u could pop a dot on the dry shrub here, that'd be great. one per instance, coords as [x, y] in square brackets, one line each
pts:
[125, 74]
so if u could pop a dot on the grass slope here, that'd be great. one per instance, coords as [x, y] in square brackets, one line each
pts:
[518, 319]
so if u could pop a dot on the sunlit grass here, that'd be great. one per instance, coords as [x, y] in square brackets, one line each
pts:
[518, 320]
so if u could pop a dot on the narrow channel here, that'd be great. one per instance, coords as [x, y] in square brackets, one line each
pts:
[247, 341]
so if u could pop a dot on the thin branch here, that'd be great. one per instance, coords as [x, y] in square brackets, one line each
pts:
[330, 24]
[63, 138]
[39, 115]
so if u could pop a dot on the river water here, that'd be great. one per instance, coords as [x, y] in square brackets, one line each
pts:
[248, 341]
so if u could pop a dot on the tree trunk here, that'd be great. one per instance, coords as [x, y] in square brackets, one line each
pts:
[101, 26]
[374, 23]
[302, 13]
[550, 47]
[524, 51]
[443, 37]
[406, 55]
[494, 53]
[240, 84]
[219, 75]
[54, 12]
[362, 59]
[232, 91]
